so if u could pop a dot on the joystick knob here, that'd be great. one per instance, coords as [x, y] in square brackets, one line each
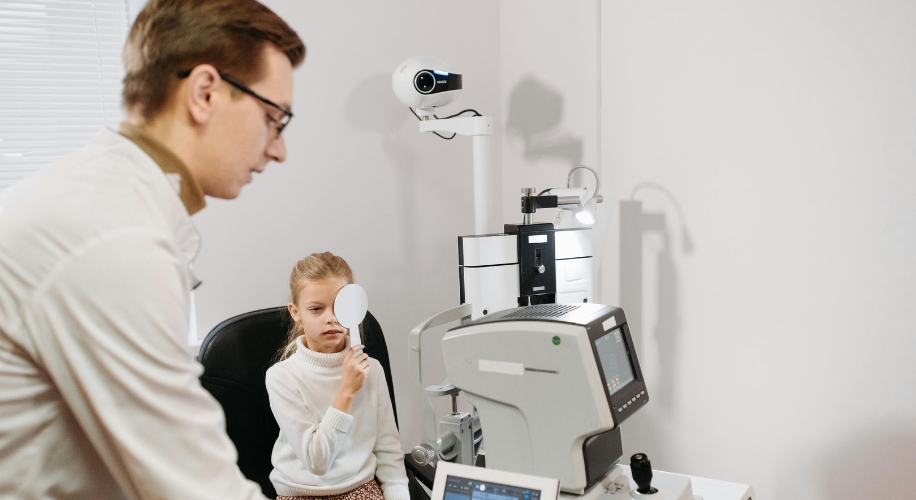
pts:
[423, 454]
[641, 468]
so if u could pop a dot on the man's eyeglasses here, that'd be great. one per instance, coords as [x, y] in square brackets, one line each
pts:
[287, 113]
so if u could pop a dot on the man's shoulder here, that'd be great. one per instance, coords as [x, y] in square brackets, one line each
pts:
[107, 182]
[101, 190]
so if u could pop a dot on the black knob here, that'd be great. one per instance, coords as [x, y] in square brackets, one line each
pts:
[641, 468]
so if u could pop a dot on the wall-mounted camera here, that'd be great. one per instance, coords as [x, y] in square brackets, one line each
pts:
[425, 83]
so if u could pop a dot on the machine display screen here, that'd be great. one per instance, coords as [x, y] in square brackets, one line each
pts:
[615, 361]
[462, 488]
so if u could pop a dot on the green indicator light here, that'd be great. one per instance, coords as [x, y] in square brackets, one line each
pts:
[556, 340]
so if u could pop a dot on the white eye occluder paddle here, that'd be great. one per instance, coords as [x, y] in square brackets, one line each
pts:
[350, 308]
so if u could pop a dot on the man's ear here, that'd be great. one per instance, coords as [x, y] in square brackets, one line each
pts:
[293, 311]
[200, 88]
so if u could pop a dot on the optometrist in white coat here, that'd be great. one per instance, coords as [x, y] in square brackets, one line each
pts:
[99, 397]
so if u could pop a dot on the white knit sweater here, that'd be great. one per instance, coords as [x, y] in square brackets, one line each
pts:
[322, 451]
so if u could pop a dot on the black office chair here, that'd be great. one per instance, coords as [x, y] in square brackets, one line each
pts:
[236, 355]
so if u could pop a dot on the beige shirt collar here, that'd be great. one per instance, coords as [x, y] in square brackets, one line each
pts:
[192, 196]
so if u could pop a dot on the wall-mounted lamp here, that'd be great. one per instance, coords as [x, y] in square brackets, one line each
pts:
[561, 198]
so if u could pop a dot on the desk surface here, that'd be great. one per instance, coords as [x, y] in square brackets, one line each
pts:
[708, 489]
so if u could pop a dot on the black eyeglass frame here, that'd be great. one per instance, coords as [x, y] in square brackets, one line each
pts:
[287, 113]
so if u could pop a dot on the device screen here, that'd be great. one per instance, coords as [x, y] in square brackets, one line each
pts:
[615, 362]
[462, 488]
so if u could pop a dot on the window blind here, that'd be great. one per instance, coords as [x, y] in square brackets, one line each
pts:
[60, 78]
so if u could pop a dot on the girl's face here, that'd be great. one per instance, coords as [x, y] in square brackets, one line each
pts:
[314, 309]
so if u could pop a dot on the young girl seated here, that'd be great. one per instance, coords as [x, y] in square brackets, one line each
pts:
[337, 430]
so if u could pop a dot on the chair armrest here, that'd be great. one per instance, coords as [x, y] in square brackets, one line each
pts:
[426, 474]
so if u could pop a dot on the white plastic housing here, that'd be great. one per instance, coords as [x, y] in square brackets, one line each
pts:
[402, 82]
[538, 399]
[490, 272]
[574, 266]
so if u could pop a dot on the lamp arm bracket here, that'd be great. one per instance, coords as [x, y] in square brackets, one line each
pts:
[530, 204]
[464, 125]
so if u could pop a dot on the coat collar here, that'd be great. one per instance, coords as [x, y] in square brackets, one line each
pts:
[188, 189]
[166, 192]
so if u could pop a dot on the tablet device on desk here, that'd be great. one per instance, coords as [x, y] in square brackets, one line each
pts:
[463, 482]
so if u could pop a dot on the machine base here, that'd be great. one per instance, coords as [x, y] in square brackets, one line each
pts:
[616, 486]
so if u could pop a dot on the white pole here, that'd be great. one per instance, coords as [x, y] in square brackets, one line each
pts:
[480, 128]
[483, 217]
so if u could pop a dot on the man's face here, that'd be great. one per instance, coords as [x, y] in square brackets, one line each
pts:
[243, 135]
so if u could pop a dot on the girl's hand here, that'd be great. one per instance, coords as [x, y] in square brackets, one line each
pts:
[355, 369]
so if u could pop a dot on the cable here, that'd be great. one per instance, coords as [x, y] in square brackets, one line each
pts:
[544, 191]
[415, 113]
[459, 114]
[437, 133]
[446, 118]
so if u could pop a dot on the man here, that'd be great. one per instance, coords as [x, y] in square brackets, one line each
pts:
[98, 395]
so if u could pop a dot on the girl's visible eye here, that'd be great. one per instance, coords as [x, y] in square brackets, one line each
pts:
[314, 309]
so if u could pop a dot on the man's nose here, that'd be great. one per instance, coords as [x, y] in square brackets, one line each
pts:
[276, 150]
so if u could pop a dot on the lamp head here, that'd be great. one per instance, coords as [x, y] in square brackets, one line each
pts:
[586, 213]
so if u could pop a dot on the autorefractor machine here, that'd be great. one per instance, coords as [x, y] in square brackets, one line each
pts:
[549, 383]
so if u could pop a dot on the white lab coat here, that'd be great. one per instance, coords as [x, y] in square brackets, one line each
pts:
[99, 397]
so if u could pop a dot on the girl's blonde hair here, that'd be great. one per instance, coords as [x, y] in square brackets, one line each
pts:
[315, 267]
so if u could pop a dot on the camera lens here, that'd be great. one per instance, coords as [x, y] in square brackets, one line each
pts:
[424, 82]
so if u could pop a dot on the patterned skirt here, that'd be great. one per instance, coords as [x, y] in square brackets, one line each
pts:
[368, 491]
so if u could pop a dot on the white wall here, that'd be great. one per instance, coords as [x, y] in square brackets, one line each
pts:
[772, 146]
[778, 335]
[768, 272]
[134, 7]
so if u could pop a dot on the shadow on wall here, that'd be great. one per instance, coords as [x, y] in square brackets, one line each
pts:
[372, 107]
[658, 350]
[879, 462]
[535, 112]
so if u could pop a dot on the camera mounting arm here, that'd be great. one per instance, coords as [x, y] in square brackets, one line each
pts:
[425, 83]
[465, 125]
[480, 128]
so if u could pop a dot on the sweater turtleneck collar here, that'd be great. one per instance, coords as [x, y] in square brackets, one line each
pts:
[319, 359]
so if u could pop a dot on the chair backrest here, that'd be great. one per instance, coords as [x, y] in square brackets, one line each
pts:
[236, 355]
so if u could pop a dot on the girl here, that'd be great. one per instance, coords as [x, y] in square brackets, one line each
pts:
[337, 430]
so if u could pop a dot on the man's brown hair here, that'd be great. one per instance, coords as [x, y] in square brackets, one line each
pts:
[176, 35]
